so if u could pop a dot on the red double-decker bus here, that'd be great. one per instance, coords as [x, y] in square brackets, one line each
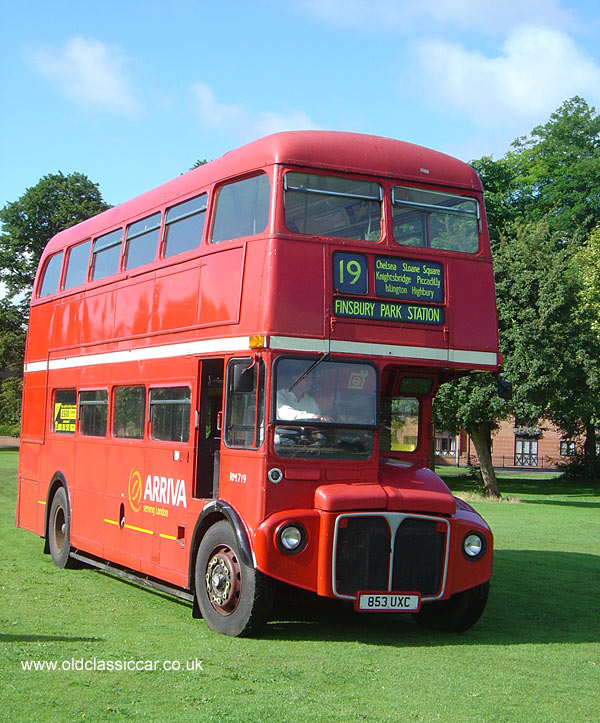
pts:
[228, 381]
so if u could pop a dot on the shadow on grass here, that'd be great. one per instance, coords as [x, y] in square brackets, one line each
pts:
[536, 597]
[530, 485]
[4, 638]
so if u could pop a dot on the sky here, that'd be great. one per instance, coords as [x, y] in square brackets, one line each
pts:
[132, 93]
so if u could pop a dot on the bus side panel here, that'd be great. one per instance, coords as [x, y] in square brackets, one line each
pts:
[167, 493]
[87, 494]
[176, 298]
[242, 483]
[32, 418]
[297, 294]
[97, 315]
[40, 317]
[122, 514]
[134, 307]
[66, 324]
[221, 287]
[473, 306]
[30, 510]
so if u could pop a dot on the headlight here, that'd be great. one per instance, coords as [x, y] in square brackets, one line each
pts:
[473, 546]
[291, 538]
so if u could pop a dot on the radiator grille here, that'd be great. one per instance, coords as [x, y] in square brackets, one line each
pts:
[365, 551]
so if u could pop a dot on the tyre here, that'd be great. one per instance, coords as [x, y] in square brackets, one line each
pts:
[59, 529]
[234, 599]
[457, 614]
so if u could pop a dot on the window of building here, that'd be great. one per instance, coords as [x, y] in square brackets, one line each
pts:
[333, 206]
[184, 225]
[93, 413]
[64, 414]
[77, 265]
[445, 446]
[242, 208]
[436, 220]
[105, 254]
[526, 452]
[129, 409]
[51, 277]
[141, 241]
[170, 414]
[245, 414]
[567, 448]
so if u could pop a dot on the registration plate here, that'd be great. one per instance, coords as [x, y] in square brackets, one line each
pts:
[389, 602]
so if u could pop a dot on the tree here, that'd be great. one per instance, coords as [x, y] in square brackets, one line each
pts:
[12, 346]
[53, 204]
[472, 403]
[558, 171]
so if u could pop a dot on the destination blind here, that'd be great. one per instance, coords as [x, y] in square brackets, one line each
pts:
[400, 279]
[377, 310]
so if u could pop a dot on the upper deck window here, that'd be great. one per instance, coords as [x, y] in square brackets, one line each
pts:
[435, 220]
[51, 275]
[332, 206]
[77, 265]
[141, 240]
[184, 225]
[105, 254]
[242, 208]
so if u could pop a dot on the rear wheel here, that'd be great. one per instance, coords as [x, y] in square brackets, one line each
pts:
[234, 599]
[59, 529]
[458, 613]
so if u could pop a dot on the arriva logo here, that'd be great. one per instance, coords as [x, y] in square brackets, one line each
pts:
[135, 490]
[161, 490]
[165, 490]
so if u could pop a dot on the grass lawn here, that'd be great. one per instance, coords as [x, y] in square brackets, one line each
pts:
[533, 656]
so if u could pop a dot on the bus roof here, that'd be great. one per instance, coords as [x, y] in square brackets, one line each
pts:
[333, 150]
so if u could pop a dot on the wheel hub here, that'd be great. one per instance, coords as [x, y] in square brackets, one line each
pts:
[223, 580]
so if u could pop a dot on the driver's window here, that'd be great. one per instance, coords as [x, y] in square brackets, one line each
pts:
[244, 420]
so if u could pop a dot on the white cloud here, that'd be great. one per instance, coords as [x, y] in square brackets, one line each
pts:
[536, 71]
[242, 122]
[427, 16]
[89, 73]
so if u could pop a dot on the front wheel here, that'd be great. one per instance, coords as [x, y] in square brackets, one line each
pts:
[59, 529]
[457, 614]
[234, 599]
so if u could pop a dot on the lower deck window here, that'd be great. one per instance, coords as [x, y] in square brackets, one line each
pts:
[93, 413]
[170, 414]
[64, 415]
[129, 412]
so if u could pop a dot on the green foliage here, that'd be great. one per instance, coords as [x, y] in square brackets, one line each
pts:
[558, 171]
[56, 202]
[586, 264]
[468, 403]
[543, 201]
[499, 181]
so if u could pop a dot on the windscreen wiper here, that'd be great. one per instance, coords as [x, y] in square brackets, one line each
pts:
[309, 370]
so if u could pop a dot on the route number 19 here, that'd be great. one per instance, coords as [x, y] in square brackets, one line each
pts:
[350, 273]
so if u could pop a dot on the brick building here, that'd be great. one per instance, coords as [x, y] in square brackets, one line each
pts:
[539, 447]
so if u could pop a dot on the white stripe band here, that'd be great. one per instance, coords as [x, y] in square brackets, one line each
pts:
[459, 356]
[285, 343]
[167, 351]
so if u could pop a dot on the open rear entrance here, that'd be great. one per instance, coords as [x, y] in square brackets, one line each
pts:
[209, 432]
